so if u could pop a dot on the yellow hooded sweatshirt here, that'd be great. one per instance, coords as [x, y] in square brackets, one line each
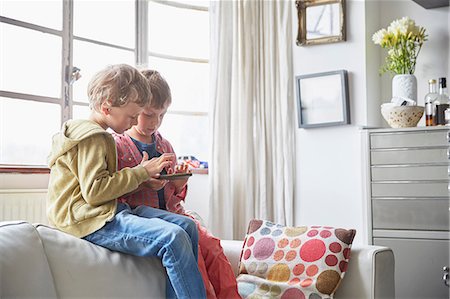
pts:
[84, 181]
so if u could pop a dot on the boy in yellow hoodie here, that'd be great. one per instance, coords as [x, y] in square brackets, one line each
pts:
[85, 184]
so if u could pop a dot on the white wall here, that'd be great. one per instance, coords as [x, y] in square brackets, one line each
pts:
[330, 168]
[328, 178]
[23, 181]
[197, 198]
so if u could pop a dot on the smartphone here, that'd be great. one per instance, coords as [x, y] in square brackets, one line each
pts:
[174, 176]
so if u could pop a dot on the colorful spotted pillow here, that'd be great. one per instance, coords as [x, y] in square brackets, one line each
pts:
[305, 262]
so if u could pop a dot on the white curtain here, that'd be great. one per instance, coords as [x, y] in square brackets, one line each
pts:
[252, 115]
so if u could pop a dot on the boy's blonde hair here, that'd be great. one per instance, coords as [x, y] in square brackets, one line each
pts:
[159, 88]
[118, 85]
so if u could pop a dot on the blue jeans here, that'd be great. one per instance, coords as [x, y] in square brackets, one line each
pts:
[145, 231]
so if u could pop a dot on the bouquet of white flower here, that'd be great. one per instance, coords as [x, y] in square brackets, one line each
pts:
[403, 39]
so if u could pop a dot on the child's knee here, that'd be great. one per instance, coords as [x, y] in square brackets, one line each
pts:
[208, 241]
[191, 226]
[179, 238]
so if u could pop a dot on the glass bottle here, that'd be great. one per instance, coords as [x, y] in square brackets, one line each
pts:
[429, 99]
[441, 103]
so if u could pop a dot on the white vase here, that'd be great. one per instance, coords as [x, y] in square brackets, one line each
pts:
[404, 86]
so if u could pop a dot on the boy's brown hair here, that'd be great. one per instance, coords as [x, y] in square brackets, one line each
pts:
[159, 88]
[118, 85]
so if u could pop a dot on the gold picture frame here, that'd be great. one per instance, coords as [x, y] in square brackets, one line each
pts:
[320, 21]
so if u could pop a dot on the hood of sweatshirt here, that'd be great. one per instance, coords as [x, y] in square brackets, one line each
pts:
[72, 132]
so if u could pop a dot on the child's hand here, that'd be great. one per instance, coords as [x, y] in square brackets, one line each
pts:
[179, 184]
[180, 168]
[155, 184]
[156, 165]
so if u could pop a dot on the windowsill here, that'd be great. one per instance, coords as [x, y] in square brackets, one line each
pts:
[199, 170]
[23, 169]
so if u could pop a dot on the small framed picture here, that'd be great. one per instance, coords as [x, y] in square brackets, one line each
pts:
[322, 99]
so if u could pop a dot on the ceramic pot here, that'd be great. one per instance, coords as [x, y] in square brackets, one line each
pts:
[404, 86]
[402, 116]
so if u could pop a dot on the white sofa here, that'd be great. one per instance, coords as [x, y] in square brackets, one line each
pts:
[41, 262]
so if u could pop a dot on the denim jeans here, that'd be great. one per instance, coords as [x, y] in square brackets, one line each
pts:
[145, 231]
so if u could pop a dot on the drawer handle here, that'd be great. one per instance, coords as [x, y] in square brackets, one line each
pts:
[445, 278]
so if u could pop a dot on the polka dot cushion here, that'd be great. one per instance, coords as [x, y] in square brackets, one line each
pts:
[293, 262]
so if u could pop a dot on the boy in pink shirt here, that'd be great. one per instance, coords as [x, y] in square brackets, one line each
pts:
[216, 270]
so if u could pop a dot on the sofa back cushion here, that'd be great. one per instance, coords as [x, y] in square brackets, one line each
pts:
[24, 270]
[84, 270]
[293, 262]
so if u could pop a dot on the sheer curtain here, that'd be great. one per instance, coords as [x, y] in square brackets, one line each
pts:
[252, 115]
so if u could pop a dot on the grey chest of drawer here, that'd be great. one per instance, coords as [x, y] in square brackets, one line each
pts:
[408, 193]
[409, 179]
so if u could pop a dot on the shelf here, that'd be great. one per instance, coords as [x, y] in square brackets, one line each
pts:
[432, 3]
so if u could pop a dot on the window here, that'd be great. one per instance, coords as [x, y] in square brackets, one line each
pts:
[180, 53]
[30, 79]
[42, 43]
[100, 39]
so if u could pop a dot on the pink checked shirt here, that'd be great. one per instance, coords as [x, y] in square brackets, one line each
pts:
[128, 155]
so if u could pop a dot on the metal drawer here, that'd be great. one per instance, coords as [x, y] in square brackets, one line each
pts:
[410, 189]
[386, 173]
[415, 214]
[409, 156]
[409, 139]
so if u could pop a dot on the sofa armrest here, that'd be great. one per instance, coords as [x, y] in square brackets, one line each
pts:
[370, 272]
[232, 250]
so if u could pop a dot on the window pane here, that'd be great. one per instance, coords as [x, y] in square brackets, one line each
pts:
[107, 21]
[30, 61]
[188, 135]
[81, 112]
[91, 58]
[43, 13]
[188, 81]
[188, 37]
[26, 128]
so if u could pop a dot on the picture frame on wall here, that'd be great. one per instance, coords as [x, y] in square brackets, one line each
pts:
[320, 21]
[322, 99]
